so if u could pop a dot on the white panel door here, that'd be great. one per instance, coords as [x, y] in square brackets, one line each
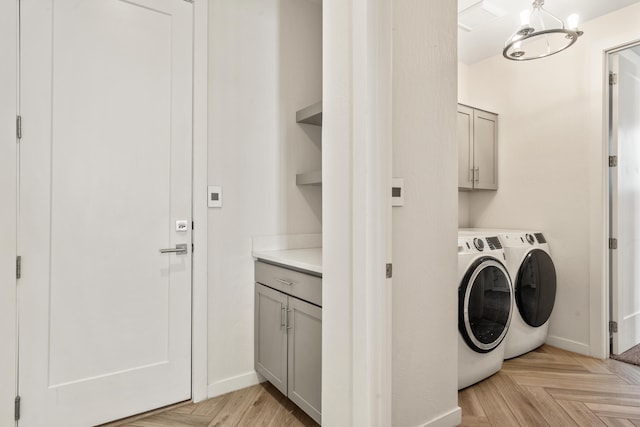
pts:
[625, 200]
[105, 175]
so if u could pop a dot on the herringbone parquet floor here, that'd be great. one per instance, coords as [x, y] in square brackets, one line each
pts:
[259, 405]
[546, 387]
[553, 387]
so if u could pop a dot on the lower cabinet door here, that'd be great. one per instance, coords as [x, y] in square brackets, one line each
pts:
[270, 344]
[305, 356]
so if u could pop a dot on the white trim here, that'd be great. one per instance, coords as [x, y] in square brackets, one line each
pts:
[451, 418]
[600, 295]
[337, 339]
[8, 214]
[356, 212]
[385, 128]
[199, 343]
[569, 345]
[234, 383]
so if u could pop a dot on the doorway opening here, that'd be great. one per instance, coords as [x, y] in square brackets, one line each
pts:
[623, 69]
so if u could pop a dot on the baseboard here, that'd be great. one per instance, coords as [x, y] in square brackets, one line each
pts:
[569, 345]
[228, 385]
[449, 419]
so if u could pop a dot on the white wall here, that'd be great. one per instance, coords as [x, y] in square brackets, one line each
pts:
[8, 148]
[425, 229]
[551, 165]
[264, 63]
[464, 218]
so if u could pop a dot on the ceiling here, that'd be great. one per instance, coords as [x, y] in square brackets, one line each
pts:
[484, 25]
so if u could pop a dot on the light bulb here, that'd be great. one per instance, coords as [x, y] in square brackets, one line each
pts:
[525, 18]
[572, 21]
[517, 52]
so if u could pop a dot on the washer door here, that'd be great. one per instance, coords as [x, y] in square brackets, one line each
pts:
[536, 288]
[485, 304]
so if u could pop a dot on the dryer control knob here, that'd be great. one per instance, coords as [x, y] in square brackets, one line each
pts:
[530, 239]
[479, 244]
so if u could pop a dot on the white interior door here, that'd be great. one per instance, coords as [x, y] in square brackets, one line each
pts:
[625, 199]
[104, 317]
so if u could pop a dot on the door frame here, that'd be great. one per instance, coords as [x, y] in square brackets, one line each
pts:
[606, 288]
[199, 329]
[8, 216]
[356, 169]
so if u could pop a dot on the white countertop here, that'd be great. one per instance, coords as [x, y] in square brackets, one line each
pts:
[309, 259]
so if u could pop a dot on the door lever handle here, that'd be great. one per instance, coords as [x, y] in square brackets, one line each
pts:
[180, 249]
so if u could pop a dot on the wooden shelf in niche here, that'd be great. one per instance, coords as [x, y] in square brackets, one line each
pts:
[309, 178]
[311, 115]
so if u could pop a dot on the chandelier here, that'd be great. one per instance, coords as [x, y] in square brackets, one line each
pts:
[550, 35]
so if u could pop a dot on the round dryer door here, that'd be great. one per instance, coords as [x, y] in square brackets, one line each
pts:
[484, 304]
[535, 288]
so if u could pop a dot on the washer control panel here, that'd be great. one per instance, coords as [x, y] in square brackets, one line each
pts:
[479, 244]
[475, 244]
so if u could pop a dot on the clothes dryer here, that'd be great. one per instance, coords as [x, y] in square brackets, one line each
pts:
[485, 306]
[529, 262]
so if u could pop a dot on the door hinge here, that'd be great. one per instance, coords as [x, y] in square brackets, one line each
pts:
[613, 327]
[19, 127]
[389, 271]
[16, 408]
[613, 243]
[613, 79]
[613, 161]
[18, 267]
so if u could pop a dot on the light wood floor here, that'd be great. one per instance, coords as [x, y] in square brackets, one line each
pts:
[553, 387]
[546, 387]
[259, 405]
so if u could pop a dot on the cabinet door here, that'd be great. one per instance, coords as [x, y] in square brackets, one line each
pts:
[465, 147]
[485, 157]
[270, 345]
[305, 351]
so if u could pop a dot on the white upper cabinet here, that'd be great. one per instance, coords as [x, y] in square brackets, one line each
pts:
[477, 149]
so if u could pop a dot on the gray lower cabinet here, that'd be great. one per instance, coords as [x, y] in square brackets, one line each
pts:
[288, 337]
[304, 361]
[271, 336]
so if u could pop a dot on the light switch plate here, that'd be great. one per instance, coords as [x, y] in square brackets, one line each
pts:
[397, 192]
[214, 196]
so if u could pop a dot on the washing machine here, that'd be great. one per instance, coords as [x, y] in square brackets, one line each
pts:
[485, 306]
[529, 263]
